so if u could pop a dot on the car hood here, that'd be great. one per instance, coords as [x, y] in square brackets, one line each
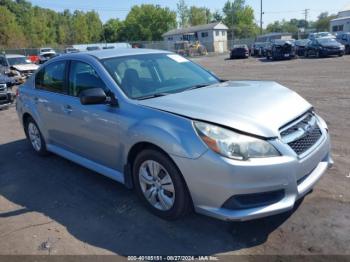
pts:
[256, 107]
[26, 67]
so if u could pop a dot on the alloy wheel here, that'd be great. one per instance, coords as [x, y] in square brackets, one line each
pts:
[156, 185]
[34, 136]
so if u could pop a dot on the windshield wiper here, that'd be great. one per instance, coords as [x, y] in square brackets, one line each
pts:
[152, 96]
[196, 87]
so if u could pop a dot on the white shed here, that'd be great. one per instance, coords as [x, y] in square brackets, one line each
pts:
[213, 36]
[342, 22]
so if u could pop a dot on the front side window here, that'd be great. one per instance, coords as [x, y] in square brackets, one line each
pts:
[83, 76]
[142, 76]
[52, 77]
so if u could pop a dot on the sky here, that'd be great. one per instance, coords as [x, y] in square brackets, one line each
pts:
[273, 9]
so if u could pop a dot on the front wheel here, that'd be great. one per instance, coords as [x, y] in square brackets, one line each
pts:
[160, 185]
[35, 137]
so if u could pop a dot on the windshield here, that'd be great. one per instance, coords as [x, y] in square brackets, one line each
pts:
[17, 60]
[147, 75]
[325, 41]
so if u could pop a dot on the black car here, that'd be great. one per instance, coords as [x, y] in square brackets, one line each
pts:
[344, 38]
[239, 51]
[300, 46]
[322, 47]
[7, 97]
[281, 49]
[258, 49]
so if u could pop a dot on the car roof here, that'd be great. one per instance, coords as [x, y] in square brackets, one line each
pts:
[119, 52]
[13, 55]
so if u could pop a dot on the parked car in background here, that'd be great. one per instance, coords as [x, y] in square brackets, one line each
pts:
[313, 36]
[300, 46]
[239, 51]
[344, 38]
[259, 49]
[280, 49]
[7, 97]
[46, 54]
[17, 66]
[322, 47]
[157, 122]
[45, 57]
[69, 50]
[93, 48]
[46, 50]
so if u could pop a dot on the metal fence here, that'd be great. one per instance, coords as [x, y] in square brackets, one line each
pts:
[161, 45]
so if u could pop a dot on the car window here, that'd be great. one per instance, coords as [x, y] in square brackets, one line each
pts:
[83, 76]
[52, 77]
[145, 75]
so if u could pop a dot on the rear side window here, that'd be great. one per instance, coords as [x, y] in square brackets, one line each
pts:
[82, 76]
[52, 77]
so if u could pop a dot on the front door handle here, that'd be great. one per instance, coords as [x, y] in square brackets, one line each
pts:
[67, 109]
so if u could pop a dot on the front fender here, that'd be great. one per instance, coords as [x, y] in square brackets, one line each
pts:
[175, 135]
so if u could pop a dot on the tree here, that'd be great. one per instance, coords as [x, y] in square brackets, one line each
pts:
[148, 23]
[240, 17]
[94, 26]
[79, 28]
[10, 33]
[199, 15]
[183, 13]
[323, 22]
[111, 30]
[217, 16]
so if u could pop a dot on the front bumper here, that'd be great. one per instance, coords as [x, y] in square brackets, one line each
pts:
[327, 52]
[6, 99]
[212, 180]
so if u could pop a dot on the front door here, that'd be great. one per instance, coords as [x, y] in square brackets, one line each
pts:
[92, 130]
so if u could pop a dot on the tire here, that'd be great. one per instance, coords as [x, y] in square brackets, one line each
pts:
[317, 54]
[35, 137]
[347, 50]
[306, 54]
[168, 199]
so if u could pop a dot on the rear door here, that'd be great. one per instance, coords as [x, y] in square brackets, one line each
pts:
[50, 84]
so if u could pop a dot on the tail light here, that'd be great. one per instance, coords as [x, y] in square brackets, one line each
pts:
[17, 92]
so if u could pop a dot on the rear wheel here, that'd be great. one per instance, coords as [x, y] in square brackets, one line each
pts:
[160, 185]
[35, 137]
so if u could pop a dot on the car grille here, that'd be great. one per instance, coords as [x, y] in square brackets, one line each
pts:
[302, 134]
[3, 88]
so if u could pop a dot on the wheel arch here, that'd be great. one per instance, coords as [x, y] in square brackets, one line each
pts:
[137, 149]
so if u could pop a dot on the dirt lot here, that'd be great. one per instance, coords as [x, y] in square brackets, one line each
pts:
[52, 206]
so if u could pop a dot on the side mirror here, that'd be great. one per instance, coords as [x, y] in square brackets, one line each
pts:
[92, 96]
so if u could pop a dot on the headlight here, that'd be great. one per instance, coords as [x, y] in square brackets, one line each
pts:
[233, 145]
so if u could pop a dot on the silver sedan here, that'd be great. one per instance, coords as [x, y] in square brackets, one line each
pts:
[183, 138]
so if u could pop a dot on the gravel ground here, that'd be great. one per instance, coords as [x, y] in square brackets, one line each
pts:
[52, 206]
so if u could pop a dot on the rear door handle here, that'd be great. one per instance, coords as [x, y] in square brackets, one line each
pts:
[67, 109]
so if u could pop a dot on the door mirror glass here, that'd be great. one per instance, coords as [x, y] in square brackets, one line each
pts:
[92, 96]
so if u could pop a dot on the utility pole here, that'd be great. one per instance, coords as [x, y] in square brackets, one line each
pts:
[306, 13]
[232, 33]
[261, 17]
